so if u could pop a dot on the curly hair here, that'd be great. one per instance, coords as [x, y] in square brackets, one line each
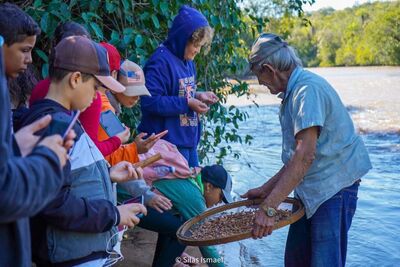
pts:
[21, 87]
[203, 37]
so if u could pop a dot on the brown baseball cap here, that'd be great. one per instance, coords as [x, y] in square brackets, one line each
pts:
[78, 53]
[132, 77]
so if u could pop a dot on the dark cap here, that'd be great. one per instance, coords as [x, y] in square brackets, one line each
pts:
[218, 177]
[78, 53]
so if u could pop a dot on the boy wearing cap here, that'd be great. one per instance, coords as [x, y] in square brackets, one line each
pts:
[131, 76]
[192, 196]
[90, 117]
[79, 226]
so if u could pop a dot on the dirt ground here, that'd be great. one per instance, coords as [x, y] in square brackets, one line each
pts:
[138, 248]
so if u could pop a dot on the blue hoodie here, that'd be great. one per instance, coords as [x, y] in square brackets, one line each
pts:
[171, 81]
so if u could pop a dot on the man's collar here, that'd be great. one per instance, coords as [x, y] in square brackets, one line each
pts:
[291, 83]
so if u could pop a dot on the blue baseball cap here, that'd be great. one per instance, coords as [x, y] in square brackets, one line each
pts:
[218, 177]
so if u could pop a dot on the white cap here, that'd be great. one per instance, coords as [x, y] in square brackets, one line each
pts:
[132, 77]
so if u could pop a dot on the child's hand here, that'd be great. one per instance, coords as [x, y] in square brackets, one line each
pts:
[208, 98]
[160, 203]
[197, 106]
[127, 214]
[124, 171]
[124, 136]
[144, 145]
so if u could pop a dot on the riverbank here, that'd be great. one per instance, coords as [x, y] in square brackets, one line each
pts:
[368, 92]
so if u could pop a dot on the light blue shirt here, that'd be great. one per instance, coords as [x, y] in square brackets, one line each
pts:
[341, 157]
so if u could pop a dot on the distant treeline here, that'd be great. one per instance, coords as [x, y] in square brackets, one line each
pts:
[368, 34]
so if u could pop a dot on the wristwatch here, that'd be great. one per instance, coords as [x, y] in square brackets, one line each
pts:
[269, 211]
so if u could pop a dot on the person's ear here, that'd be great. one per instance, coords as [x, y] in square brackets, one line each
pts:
[268, 68]
[114, 74]
[207, 187]
[74, 79]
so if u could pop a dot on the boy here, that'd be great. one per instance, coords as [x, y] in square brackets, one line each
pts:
[30, 171]
[90, 117]
[191, 192]
[79, 225]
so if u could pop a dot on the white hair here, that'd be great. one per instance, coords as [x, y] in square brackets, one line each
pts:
[272, 50]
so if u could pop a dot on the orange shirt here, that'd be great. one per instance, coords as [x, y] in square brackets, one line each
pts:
[126, 152]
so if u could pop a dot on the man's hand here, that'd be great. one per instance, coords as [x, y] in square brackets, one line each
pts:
[55, 144]
[127, 214]
[257, 192]
[124, 136]
[124, 171]
[197, 106]
[144, 145]
[25, 137]
[208, 98]
[160, 203]
[263, 225]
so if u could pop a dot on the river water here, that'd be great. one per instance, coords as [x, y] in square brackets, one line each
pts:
[372, 95]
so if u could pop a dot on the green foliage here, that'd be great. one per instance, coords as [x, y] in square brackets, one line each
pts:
[368, 34]
[136, 28]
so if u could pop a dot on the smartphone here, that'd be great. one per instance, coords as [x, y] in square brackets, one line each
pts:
[71, 124]
[110, 123]
[139, 199]
[61, 123]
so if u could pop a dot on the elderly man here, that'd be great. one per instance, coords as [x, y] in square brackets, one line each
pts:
[323, 158]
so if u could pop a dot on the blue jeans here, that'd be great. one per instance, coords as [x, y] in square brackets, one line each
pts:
[190, 155]
[166, 225]
[322, 239]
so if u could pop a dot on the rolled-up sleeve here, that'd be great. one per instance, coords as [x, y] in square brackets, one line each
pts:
[308, 109]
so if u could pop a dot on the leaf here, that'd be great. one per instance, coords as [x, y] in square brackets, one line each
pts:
[42, 55]
[45, 70]
[85, 17]
[97, 30]
[128, 31]
[164, 8]
[110, 7]
[37, 3]
[214, 20]
[91, 14]
[139, 40]
[126, 4]
[114, 36]
[155, 21]
[72, 3]
[43, 22]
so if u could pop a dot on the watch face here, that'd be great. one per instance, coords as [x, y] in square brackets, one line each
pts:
[271, 212]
